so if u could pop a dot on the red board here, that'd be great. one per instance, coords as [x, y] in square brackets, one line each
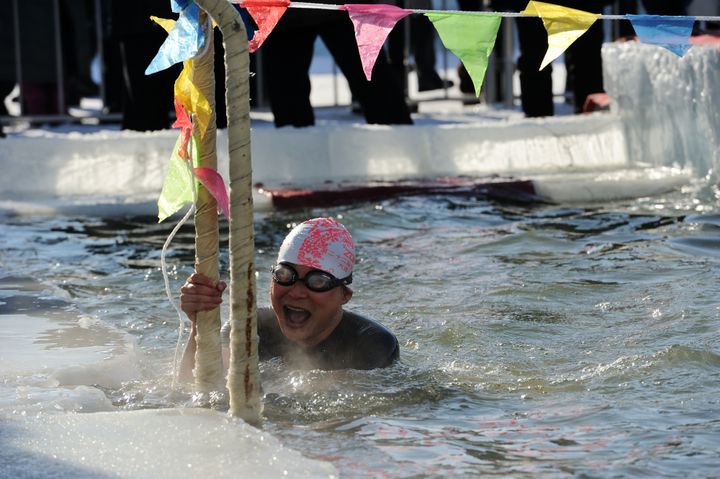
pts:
[332, 194]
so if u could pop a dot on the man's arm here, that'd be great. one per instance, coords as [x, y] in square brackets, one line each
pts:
[187, 363]
[199, 293]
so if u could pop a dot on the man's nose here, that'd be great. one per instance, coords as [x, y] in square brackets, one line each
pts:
[298, 290]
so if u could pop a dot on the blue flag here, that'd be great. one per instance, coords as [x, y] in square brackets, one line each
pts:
[182, 43]
[672, 33]
[178, 6]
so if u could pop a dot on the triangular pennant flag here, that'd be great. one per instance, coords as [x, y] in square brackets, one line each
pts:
[183, 122]
[214, 183]
[166, 23]
[470, 37]
[248, 22]
[183, 42]
[266, 14]
[178, 6]
[563, 25]
[672, 33]
[192, 99]
[177, 189]
[372, 24]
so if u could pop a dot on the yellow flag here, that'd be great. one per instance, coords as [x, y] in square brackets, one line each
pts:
[166, 23]
[191, 98]
[185, 90]
[564, 26]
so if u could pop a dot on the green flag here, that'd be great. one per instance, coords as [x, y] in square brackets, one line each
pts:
[178, 187]
[470, 37]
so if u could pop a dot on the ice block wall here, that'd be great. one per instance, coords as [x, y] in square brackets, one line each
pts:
[669, 106]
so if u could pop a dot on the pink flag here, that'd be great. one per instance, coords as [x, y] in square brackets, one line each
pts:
[373, 23]
[214, 183]
[266, 14]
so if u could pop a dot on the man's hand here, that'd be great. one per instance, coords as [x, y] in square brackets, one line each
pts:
[200, 293]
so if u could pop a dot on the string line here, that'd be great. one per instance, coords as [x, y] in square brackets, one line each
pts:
[163, 266]
[324, 6]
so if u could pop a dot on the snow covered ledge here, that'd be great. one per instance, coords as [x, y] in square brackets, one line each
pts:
[664, 113]
[133, 164]
[356, 152]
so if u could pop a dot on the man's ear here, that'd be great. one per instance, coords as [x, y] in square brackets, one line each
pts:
[347, 294]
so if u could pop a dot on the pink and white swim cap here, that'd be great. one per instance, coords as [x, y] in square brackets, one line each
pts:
[320, 243]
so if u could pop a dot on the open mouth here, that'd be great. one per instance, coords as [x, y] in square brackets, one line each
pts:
[295, 316]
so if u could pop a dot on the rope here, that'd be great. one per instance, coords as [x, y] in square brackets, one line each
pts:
[166, 280]
[322, 6]
[206, 43]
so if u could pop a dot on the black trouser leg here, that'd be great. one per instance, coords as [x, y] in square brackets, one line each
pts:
[382, 99]
[287, 55]
[535, 85]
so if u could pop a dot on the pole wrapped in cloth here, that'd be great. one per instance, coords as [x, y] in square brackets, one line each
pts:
[208, 356]
[243, 376]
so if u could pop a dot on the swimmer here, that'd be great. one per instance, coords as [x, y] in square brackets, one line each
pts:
[307, 326]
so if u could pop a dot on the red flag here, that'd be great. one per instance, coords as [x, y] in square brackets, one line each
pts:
[266, 14]
[183, 122]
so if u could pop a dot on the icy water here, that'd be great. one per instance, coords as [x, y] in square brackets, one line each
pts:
[536, 340]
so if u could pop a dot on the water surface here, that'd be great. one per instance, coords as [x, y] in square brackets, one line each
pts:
[553, 340]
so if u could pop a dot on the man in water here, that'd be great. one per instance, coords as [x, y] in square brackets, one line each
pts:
[307, 326]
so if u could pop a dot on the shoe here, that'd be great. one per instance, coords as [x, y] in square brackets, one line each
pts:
[435, 83]
[466, 84]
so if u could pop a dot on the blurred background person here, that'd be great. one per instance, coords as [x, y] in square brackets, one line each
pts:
[8, 73]
[286, 57]
[418, 32]
[582, 60]
[146, 99]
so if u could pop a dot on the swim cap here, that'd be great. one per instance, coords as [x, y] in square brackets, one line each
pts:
[320, 243]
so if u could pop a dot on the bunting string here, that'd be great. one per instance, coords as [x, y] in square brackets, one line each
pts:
[327, 6]
[467, 34]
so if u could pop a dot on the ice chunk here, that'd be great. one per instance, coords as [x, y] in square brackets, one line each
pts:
[670, 106]
[148, 444]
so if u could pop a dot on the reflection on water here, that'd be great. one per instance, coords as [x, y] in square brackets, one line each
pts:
[546, 340]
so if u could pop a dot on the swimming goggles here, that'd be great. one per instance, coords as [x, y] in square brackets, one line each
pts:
[316, 280]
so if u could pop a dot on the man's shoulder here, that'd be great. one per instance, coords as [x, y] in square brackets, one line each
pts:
[372, 344]
[363, 326]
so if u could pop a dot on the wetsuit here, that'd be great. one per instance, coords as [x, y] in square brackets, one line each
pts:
[356, 343]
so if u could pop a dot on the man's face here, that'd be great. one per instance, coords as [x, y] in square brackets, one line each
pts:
[307, 317]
